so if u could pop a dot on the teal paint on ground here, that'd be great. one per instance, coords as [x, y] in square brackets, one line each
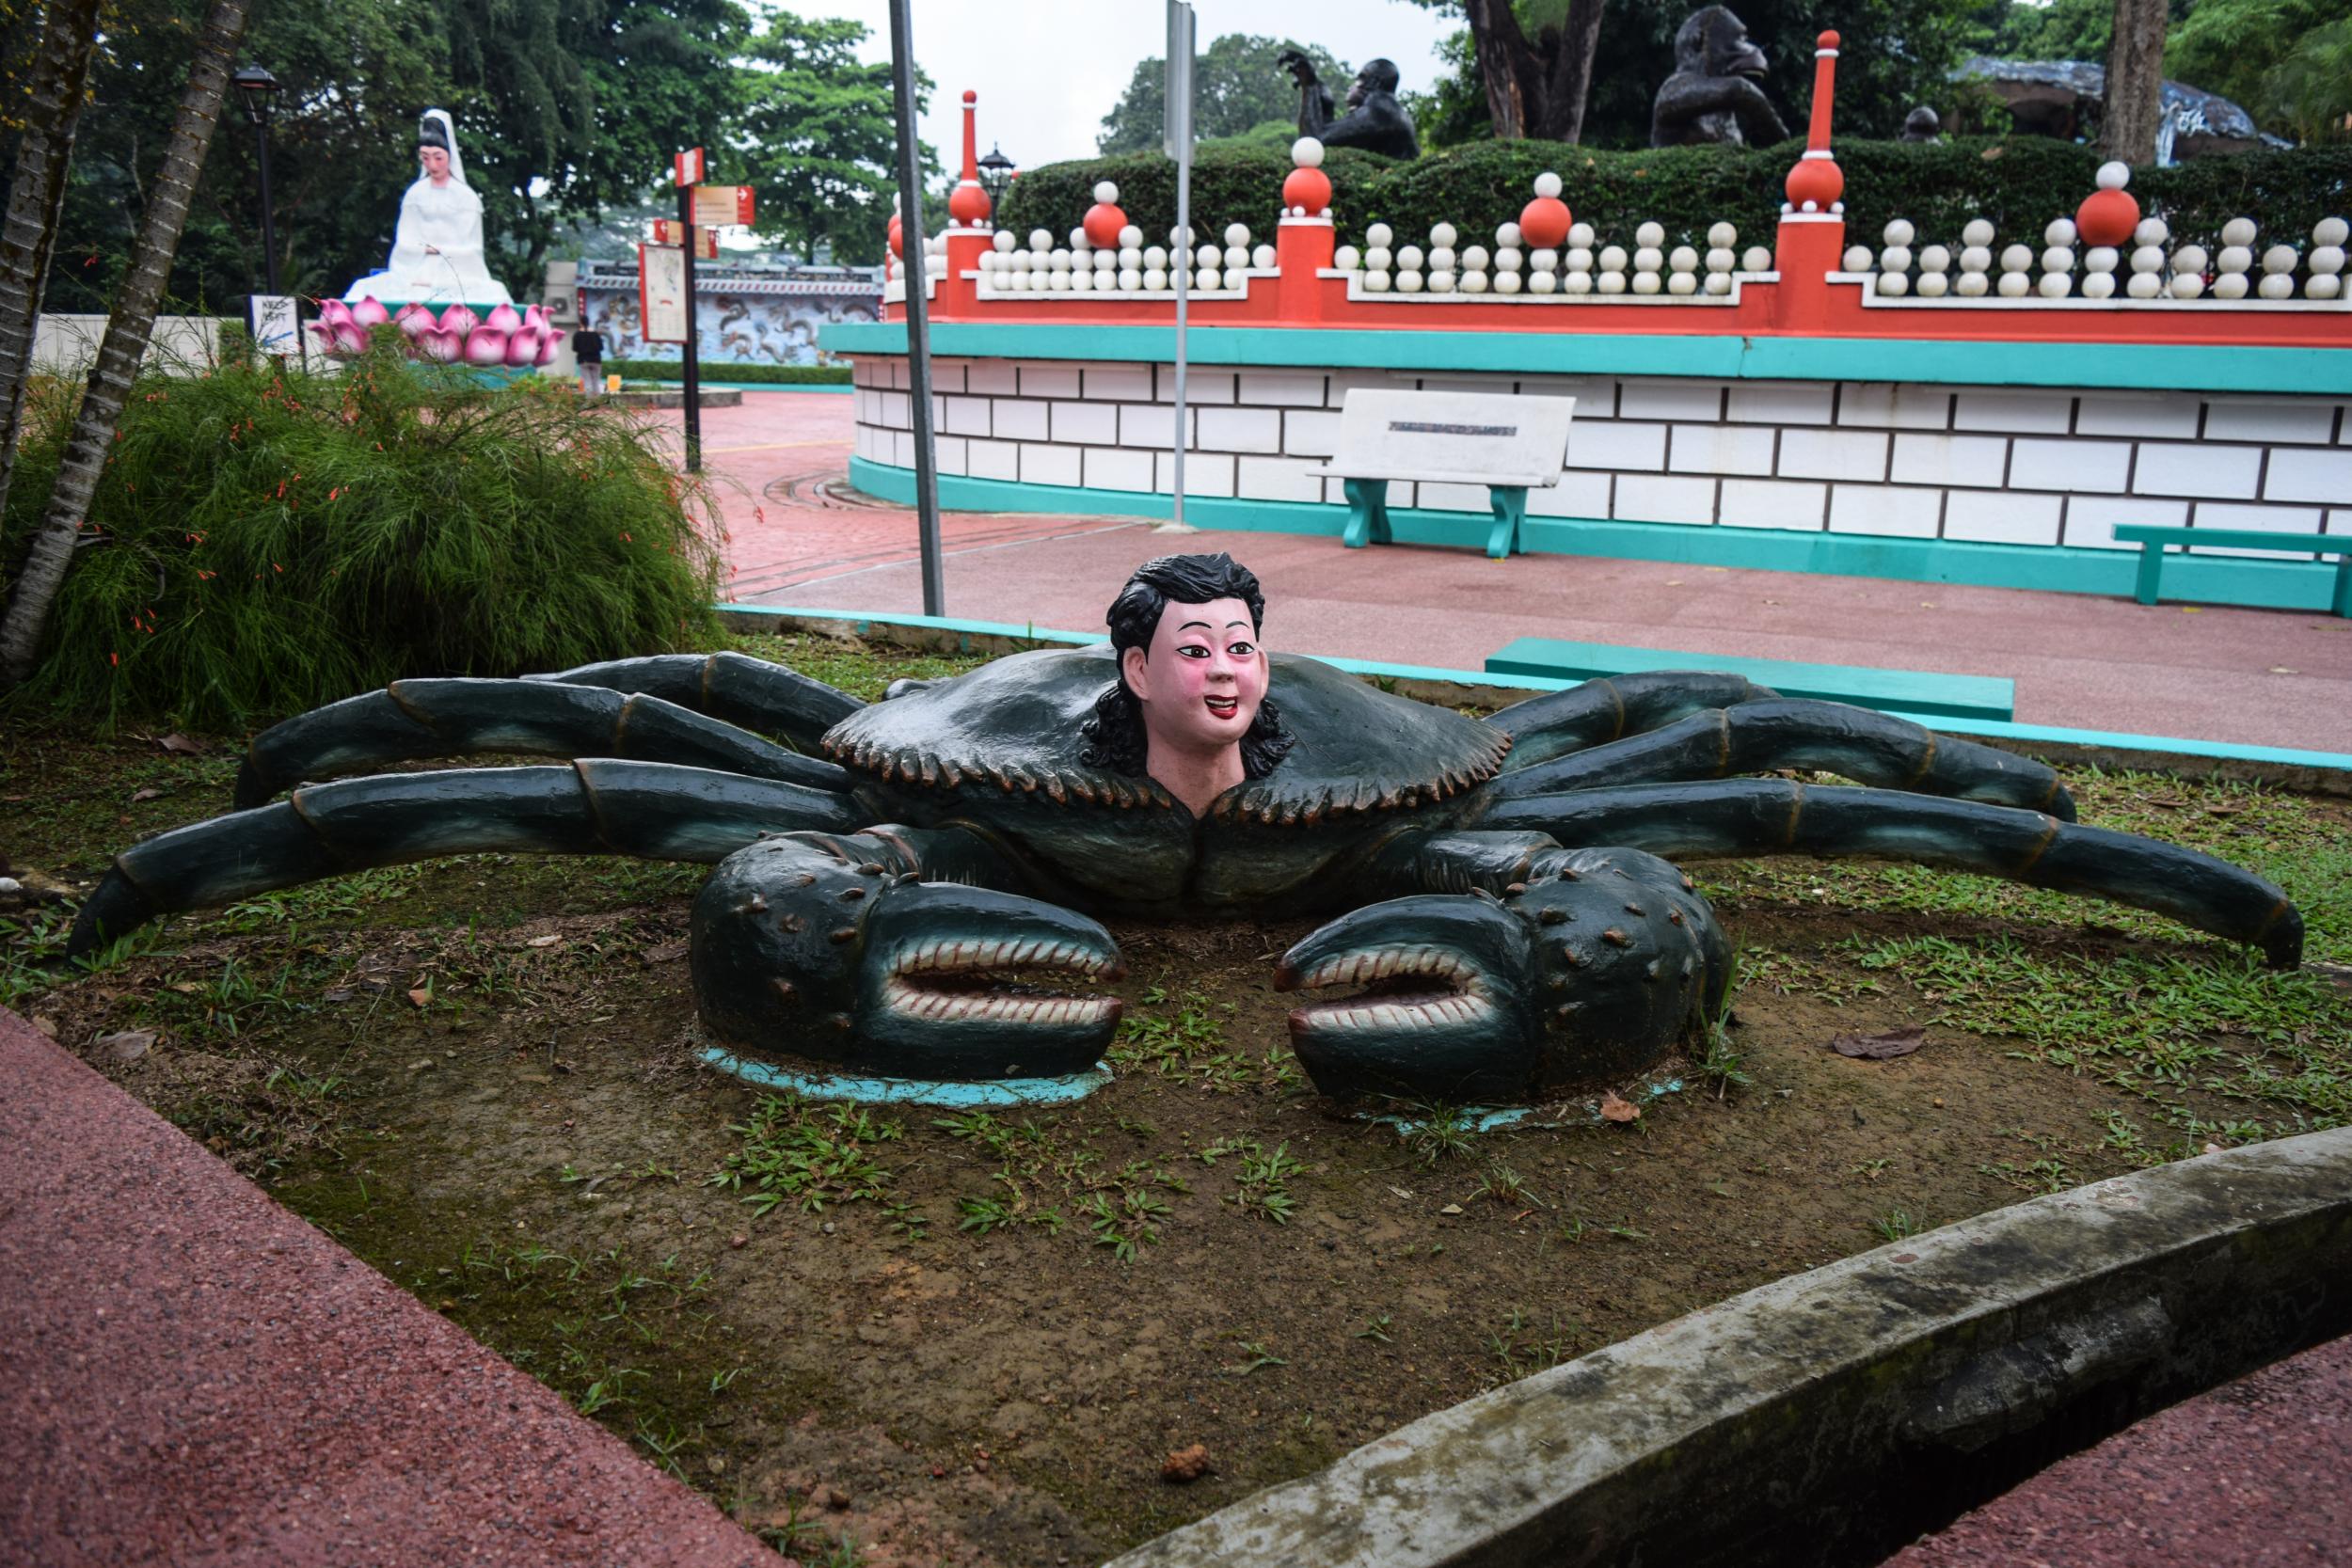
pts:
[634, 383]
[996, 1094]
[1909, 691]
[2190, 367]
[2047, 568]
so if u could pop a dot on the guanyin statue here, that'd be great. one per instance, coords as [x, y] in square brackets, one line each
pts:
[436, 250]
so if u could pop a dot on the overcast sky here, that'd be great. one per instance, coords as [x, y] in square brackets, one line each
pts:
[1048, 70]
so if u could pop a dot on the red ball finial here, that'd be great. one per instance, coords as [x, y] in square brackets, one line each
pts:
[970, 97]
[1544, 222]
[1827, 40]
[1104, 220]
[2110, 215]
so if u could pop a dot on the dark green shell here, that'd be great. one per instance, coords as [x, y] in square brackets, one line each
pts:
[1016, 723]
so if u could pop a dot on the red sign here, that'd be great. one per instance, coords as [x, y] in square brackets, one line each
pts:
[723, 204]
[671, 232]
[690, 168]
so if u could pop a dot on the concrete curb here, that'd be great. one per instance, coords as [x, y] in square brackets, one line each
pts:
[1834, 1416]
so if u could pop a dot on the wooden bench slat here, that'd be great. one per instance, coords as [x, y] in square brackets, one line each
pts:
[1899, 690]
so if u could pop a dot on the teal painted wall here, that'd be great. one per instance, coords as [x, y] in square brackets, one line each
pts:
[2262, 584]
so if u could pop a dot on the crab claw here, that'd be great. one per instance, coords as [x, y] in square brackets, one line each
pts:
[1593, 966]
[829, 948]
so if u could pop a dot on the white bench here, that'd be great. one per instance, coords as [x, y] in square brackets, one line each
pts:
[1510, 444]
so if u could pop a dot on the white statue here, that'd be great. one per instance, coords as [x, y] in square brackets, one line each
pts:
[436, 250]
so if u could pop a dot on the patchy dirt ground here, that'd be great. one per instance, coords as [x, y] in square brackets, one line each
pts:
[901, 1336]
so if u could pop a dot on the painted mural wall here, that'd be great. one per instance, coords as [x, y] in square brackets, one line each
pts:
[742, 316]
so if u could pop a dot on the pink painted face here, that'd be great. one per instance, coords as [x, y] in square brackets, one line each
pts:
[436, 161]
[1203, 680]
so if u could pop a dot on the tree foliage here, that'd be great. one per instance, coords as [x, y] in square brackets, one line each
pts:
[2287, 62]
[1237, 88]
[818, 138]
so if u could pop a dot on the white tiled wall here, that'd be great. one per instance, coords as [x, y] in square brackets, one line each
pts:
[2037, 465]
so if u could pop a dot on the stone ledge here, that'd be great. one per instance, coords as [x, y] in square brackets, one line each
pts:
[1922, 1377]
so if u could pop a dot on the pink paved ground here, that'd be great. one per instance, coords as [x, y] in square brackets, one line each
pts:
[191, 1376]
[2250, 676]
[2248, 1476]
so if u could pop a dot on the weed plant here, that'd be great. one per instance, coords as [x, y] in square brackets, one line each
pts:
[265, 540]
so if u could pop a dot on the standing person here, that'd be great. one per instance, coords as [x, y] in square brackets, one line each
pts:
[588, 348]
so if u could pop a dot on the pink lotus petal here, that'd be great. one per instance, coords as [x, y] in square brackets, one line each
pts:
[321, 336]
[440, 342]
[333, 311]
[535, 315]
[369, 312]
[485, 345]
[350, 337]
[522, 345]
[505, 318]
[415, 320]
[460, 320]
[548, 345]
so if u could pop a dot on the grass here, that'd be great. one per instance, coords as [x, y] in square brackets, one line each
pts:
[807, 1155]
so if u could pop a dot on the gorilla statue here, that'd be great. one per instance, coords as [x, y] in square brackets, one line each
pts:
[1375, 120]
[1712, 95]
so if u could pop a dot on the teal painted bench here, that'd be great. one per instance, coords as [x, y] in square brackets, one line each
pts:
[1507, 443]
[1897, 690]
[2151, 539]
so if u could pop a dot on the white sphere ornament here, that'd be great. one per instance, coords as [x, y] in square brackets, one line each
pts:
[1612, 283]
[1613, 258]
[2276, 285]
[2144, 285]
[1408, 256]
[1082, 282]
[1649, 258]
[1683, 283]
[2280, 258]
[1130, 280]
[1544, 261]
[1720, 259]
[1935, 258]
[2151, 232]
[1307, 153]
[2054, 285]
[1900, 232]
[1756, 260]
[1933, 285]
[1650, 236]
[1155, 278]
[2058, 258]
[1207, 279]
[1975, 257]
[1509, 258]
[1040, 239]
[1646, 282]
[1107, 260]
[1544, 283]
[2099, 285]
[1721, 236]
[1131, 238]
[2234, 257]
[1972, 285]
[1893, 283]
[1894, 257]
[1237, 233]
[1976, 231]
[1443, 235]
[1440, 281]
[1058, 282]
[1580, 259]
[1059, 260]
[1236, 257]
[2101, 258]
[2148, 257]
[1507, 283]
[1474, 259]
[1547, 184]
[1207, 256]
[1263, 257]
[1441, 256]
[2190, 258]
[1507, 235]
[1857, 258]
[1347, 258]
[2229, 285]
[1377, 258]
[1577, 283]
[1105, 192]
[1683, 259]
[1003, 240]
[1719, 283]
[2238, 231]
[1407, 282]
[2185, 285]
[2016, 285]
[1375, 282]
[1379, 236]
[2329, 287]
[1580, 236]
[2059, 232]
[2325, 261]
[1474, 282]
[2331, 231]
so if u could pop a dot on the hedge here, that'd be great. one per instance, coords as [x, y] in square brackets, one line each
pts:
[2019, 183]
[712, 369]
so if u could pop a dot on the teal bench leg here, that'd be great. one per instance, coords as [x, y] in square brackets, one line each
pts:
[2341, 603]
[2150, 572]
[1510, 508]
[1367, 513]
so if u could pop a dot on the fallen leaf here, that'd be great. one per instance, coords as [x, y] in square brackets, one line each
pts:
[547, 940]
[1612, 1108]
[180, 745]
[1881, 1047]
[421, 995]
[668, 951]
[186, 988]
[138, 795]
[128, 1045]
[47, 1026]
[422, 1064]
[339, 994]
[1400, 1191]
[1451, 1209]
[1185, 1465]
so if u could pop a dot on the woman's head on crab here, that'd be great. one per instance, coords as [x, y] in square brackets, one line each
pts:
[1189, 709]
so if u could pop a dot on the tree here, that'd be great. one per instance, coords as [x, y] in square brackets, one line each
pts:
[1236, 87]
[1535, 86]
[2279, 59]
[56, 83]
[2132, 108]
[819, 138]
[126, 343]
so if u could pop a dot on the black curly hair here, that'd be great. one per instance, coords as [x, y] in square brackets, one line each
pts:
[1115, 736]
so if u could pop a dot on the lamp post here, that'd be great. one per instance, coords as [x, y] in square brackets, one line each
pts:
[259, 88]
[997, 171]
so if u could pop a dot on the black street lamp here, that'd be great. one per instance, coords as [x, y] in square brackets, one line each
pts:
[259, 88]
[997, 171]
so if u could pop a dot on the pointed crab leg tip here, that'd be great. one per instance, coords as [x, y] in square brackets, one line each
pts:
[1302, 1021]
[1286, 977]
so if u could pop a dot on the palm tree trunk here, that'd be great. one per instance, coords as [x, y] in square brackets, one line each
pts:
[59, 74]
[2135, 90]
[125, 344]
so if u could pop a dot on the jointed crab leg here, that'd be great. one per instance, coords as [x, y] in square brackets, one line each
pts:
[414, 719]
[1853, 742]
[1769, 816]
[734, 686]
[1596, 711]
[596, 807]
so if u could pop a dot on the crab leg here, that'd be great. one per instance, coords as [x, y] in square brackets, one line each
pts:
[902, 950]
[1772, 816]
[1595, 711]
[414, 719]
[737, 687]
[1853, 742]
[598, 807]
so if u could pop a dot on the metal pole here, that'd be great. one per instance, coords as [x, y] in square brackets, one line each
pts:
[694, 348]
[269, 223]
[1180, 40]
[915, 270]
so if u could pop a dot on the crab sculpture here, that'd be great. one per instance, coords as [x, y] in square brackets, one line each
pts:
[919, 902]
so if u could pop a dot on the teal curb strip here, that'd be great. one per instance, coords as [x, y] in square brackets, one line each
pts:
[752, 386]
[2223, 751]
[2194, 367]
[997, 1094]
[2052, 568]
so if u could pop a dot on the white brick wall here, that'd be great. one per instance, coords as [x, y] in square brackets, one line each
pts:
[2003, 465]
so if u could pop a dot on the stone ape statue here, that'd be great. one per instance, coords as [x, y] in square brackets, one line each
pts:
[1375, 120]
[1712, 96]
[1923, 124]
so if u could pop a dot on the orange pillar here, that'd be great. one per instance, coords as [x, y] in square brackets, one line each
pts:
[1811, 243]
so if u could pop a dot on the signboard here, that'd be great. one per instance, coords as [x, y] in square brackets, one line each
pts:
[723, 204]
[1176, 124]
[661, 293]
[689, 170]
[277, 325]
[672, 232]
